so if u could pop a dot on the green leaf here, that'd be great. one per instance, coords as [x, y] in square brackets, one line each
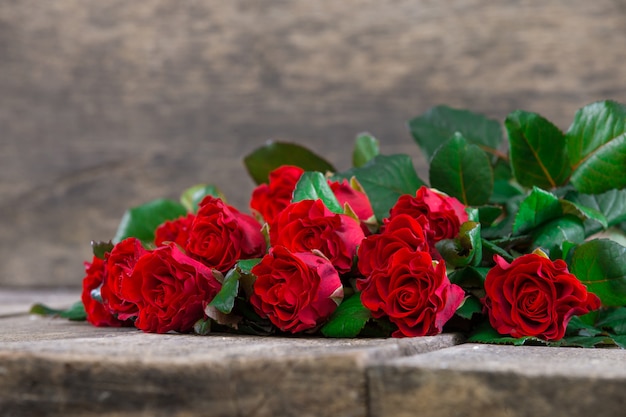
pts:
[612, 204]
[466, 248]
[438, 124]
[202, 327]
[75, 313]
[603, 169]
[601, 265]
[272, 155]
[385, 179]
[142, 221]
[489, 214]
[101, 248]
[244, 266]
[224, 300]
[471, 305]
[365, 149]
[462, 171]
[469, 277]
[487, 334]
[503, 191]
[246, 281]
[348, 319]
[584, 213]
[192, 196]
[314, 186]
[614, 320]
[594, 126]
[552, 235]
[538, 150]
[536, 209]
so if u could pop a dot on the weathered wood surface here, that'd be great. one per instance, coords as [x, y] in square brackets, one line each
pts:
[105, 104]
[52, 367]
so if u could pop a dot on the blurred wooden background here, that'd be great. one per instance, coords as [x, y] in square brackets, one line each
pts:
[110, 103]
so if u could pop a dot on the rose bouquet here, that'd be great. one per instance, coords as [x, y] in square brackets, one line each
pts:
[511, 241]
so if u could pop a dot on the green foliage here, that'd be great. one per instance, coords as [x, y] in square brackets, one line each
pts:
[76, 312]
[385, 179]
[272, 155]
[438, 124]
[366, 148]
[191, 197]
[463, 171]
[600, 265]
[348, 319]
[463, 250]
[100, 249]
[224, 300]
[538, 151]
[596, 143]
[314, 186]
[142, 221]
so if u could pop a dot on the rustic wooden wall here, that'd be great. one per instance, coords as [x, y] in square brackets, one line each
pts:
[109, 103]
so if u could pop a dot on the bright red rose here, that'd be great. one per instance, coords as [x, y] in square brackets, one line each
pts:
[441, 216]
[414, 292]
[176, 231]
[270, 199]
[221, 235]
[119, 266]
[171, 290]
[296, 291]
[534, 296]
[400, 232]
[357, 200]
[97, 313]
[309, 225]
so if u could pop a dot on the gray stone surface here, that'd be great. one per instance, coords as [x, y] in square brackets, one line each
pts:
[53, 367]
[489, 380]
[110, 103]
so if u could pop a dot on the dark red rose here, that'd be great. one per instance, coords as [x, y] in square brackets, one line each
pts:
[119, 266]
[296, 291]
[176, 231]
[441, 216]
[97, 313]
[414, 292]
[402, 231]
[220, 235]
[171, 290]
[308, 225]
[534, 296]
[357, 200]
[270, 199]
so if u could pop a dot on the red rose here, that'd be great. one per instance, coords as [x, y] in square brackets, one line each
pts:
[534, 296]
[119, 267]
[176, 231]
[296, 291]
[171, 290]
[441, 216]
[308, 225]
[270, 199]
[400, 232]
[414, 292]
[97, 313]
[357, 200]
[220, 235]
